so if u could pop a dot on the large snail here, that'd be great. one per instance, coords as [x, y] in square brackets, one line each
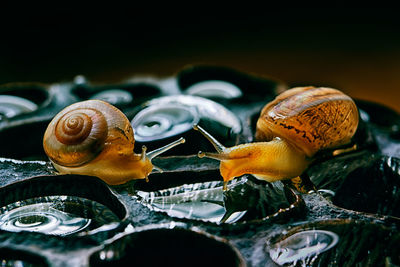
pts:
[290, 131]
[95, 138]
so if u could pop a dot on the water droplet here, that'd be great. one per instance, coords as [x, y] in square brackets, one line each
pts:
[55, 215]
[364, 115]
[302, 246]
[214, 88]
[158, 122]
[114, 97]
[326, 192]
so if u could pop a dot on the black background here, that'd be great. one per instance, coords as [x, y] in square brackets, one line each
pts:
[353, 49]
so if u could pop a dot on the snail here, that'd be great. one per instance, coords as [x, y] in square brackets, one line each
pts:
[290, 131]
[95, 138]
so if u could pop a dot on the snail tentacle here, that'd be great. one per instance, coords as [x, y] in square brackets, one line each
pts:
[217, 145]
[157, 169]
[143, 154]
[158, 151]
[211, 155]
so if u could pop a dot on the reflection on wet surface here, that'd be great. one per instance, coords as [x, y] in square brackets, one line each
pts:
[55, 215]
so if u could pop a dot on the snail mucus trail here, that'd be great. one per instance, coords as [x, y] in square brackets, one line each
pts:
[291, 129]
[95, 138]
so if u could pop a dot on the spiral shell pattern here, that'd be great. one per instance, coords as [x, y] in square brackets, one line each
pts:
[81, 131]
[74, 127]
[310, 118]
[75, 137]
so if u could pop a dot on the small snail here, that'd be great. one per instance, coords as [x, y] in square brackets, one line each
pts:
[290, 131]
[95, 138]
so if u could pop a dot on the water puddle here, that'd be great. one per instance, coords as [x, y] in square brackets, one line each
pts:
[55, 215]
[201, 201]
[301, 249]
[243, 201]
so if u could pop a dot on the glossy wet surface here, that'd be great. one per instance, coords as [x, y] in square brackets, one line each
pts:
[55, 215]
[301, 247]
[352, 219]
[195, 201]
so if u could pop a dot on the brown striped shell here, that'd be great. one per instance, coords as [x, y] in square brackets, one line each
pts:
[81, 131]
[309, 118]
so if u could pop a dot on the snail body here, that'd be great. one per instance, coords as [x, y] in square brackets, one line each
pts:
[95, 138]
[290, 130]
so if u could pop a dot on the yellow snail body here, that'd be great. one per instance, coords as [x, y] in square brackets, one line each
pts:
[290, 131]
[95, 138]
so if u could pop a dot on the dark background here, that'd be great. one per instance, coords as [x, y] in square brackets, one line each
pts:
[356, 50]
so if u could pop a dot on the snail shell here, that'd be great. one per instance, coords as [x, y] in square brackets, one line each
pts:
[309, 118]
[290, 130]
[80, 132]
[95, 138]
